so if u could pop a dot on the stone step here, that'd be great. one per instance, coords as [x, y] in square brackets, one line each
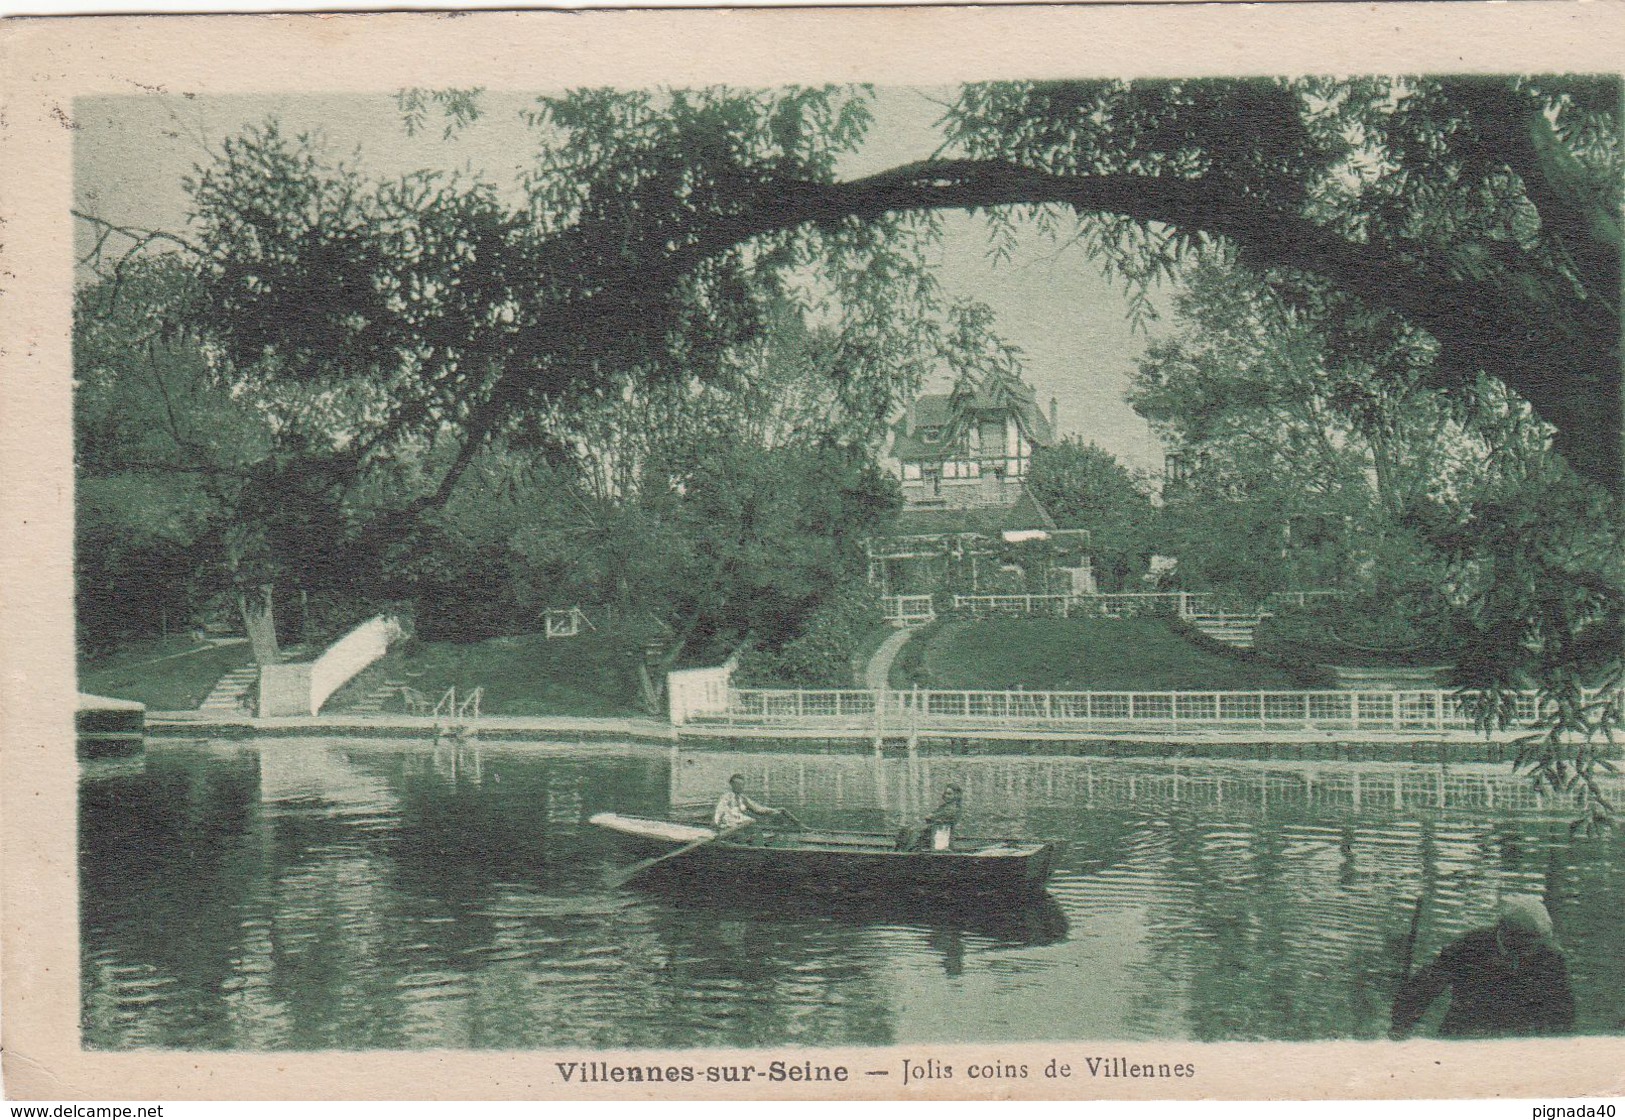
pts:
[374, 702]
[1237, 633]
[231, 690]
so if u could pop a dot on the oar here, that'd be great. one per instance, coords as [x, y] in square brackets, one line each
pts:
[621, 878]
[1407, 966]
[1409, 962]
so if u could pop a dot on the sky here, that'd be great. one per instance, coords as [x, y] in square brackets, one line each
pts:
[132, 154]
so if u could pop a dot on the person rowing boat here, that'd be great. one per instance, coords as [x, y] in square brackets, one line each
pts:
[938, 831]
[735, 809]
[769, 860]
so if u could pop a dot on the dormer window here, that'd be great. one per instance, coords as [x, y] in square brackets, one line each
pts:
[931, 435]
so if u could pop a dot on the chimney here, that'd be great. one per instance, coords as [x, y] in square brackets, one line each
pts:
[1054, 419]
[909, 419]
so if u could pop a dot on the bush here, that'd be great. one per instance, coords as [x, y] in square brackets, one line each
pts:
[821, 656]
[1368, 631]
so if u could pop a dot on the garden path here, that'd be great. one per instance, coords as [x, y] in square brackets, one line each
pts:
[876, 673]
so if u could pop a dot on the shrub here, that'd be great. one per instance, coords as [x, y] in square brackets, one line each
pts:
[1414, 629]
[820, 656]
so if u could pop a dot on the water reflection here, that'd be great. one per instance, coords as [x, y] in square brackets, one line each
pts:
[950, 926]
[333, 893]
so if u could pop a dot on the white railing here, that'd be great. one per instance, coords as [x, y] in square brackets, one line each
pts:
[1014, 606]
[949, 711]
[454, 714]
[908, 609]
[565, 622]
[791, 705]
[1127, 604]
[1430, 710]
[1106, 604]
[1298, 598]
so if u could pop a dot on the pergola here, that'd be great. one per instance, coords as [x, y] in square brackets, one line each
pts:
[962, 546]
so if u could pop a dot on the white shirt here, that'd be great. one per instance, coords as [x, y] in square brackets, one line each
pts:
[734, 809]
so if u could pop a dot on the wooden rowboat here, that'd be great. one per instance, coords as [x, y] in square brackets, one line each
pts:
[828, 862]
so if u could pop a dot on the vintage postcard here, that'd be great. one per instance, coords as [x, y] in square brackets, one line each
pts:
[891, 554]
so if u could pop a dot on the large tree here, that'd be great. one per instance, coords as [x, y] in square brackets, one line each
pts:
[660, 228]
[1319, 449]
[1485, 211]
[1310, 436]
[1085, 486]
[1313, 435]
[170, 466]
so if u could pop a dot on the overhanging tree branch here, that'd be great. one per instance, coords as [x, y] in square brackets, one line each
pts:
[1492, 306]
[1508, 319]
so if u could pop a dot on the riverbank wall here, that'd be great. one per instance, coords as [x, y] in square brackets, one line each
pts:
[195, 725]
[1444, 748]
[1426, 748]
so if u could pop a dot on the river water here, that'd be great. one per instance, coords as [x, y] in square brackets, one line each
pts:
[346, 893]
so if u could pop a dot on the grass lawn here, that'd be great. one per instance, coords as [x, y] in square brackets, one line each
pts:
[166, 675]
[908, 667]
[1099, 655]
[592, 674]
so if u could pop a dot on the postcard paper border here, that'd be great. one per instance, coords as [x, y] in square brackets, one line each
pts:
[46, 63]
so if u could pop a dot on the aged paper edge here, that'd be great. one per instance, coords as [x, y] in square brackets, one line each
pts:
[46, 63]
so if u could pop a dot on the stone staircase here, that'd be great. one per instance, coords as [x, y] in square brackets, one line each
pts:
[234, 693]
[1232, 629]
[373, 703]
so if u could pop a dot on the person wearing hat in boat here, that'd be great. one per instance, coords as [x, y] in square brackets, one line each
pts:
[1509, 979]
[735, 809]
[938, 831]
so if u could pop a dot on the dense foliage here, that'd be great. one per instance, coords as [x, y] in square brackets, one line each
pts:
[1085, 486]
[1485, 211]
[1418, 631]
[821, 654]
[192, 491]
[1317, 449]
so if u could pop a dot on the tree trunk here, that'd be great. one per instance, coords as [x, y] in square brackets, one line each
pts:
[650, 695]
[260, 622]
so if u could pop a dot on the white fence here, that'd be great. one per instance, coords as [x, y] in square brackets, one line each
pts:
[963, 711]
[1015, 606]
[1280, 599]
[908, 609]
[1108, 605]
[1127, 604]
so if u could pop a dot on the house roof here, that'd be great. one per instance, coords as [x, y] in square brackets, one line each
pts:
[931, 410]
[937, 410]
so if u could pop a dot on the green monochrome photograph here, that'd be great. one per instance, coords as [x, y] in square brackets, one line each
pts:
[695, 566]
